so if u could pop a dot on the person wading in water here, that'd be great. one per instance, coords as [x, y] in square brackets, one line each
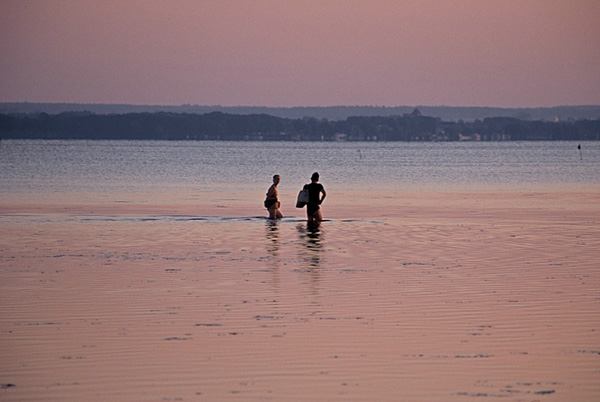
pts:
[313, 208]
[272, 201]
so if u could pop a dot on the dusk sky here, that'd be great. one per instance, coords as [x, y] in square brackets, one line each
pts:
[501, 53]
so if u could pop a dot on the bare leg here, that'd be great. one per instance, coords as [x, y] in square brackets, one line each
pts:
[315, 216]
[274, 212]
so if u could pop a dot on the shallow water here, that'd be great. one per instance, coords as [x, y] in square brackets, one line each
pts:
[421, 306]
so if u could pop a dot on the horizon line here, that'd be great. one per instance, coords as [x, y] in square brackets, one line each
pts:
[295, 107]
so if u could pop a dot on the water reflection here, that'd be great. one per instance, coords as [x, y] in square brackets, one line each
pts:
[310, 252]
[273, 247]
[310, 236]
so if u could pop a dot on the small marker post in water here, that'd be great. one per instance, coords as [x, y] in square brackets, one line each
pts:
[580, 154]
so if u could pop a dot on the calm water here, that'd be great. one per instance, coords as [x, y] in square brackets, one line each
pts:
[493, 297]
[158, 167]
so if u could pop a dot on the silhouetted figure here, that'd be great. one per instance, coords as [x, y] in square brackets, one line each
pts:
[313, 208]
[272, 201]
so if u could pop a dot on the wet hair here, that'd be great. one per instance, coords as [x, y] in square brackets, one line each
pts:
[315, 176]
[276, 176]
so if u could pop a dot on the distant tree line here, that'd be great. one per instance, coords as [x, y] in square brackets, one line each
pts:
[257, 127]
[446, 113]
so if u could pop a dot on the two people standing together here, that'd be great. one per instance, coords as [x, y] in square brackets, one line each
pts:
[313, 207]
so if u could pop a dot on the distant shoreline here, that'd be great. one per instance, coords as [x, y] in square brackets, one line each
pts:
[409, 127]
[446, 113]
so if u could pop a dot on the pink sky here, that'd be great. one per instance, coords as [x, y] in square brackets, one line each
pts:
[505, 53]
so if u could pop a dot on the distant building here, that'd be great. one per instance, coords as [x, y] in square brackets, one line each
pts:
[416, 113]
[473, 137]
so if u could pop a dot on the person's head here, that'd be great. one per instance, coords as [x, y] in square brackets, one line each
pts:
[315, 177]
[276, 179]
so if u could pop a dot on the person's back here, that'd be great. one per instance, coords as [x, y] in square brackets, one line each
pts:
[314, 193]
[313, 208]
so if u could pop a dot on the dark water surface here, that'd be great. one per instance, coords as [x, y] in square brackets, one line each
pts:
[157, 166]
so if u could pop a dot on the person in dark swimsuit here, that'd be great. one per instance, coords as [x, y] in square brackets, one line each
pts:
[313, 208]
[272, 201]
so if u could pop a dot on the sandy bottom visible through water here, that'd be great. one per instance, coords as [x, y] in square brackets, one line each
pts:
[427, 297]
